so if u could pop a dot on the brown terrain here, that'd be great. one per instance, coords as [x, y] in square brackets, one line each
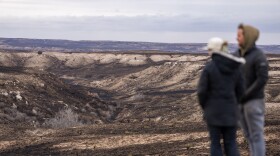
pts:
[115, 104]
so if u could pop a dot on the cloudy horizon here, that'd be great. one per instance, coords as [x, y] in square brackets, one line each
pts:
[177, 21]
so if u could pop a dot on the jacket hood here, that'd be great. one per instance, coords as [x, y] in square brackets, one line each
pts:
[226, 62]
[251, 35]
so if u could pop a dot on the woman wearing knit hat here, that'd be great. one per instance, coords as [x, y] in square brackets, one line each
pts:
[219, 90]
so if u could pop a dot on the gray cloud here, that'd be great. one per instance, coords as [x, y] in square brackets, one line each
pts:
[146, 19]
[182, 23]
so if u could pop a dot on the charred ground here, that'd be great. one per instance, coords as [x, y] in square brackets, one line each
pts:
[129, 103]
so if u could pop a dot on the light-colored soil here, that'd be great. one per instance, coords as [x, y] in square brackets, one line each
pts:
[130, 104]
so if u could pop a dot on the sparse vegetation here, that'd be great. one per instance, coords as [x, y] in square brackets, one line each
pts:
[137, 97]
[148, 109]
[63, 119]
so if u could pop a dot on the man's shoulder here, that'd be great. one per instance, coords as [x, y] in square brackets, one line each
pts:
[259, 53]
[256, 56]
[258, 50]
[254, 53]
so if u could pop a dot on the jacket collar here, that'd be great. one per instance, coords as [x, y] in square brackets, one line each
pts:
[231, 57]
[248, 51]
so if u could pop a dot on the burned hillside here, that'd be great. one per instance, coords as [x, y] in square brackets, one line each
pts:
[30, 96]
[131, 104]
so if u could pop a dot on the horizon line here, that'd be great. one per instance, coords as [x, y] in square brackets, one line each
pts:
[61, 39]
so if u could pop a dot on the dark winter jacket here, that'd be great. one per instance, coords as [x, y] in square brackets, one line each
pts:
[255, 73]
[256, 68]
[220, 87]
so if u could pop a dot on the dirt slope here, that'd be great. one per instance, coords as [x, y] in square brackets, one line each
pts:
[149, 100]
[30, 97]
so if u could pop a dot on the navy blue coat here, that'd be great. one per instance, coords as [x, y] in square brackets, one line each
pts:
[220, 88]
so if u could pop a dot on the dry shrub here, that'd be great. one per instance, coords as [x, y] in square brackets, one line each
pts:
[63, 119]
[137, 97]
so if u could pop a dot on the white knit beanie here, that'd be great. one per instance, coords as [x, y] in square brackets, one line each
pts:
[216, 44]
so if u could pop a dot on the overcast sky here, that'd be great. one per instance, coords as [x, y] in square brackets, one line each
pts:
[174, 21]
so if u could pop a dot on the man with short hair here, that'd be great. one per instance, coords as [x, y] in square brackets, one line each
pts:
[256, 76]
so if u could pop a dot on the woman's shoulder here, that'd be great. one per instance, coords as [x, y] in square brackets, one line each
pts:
[209, 65]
